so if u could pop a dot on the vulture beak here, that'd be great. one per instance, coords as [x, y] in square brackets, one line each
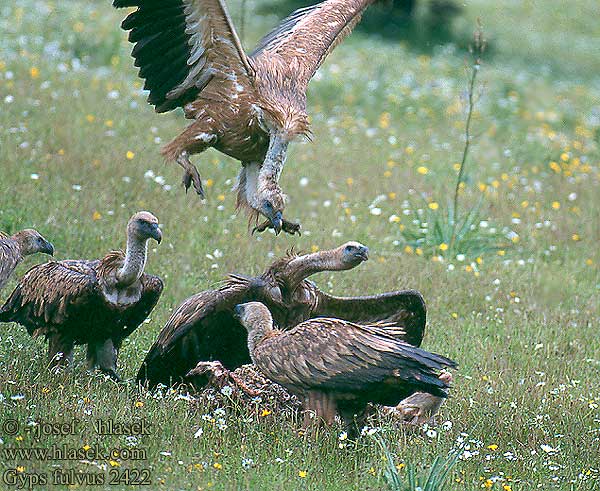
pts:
[156, 233]
[48, 248]
[277, 222]
[362, 253]
[237, 311]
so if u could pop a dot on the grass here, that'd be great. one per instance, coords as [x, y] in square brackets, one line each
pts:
[79, 155]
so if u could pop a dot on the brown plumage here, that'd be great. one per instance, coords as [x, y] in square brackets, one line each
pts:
[203, 328]
[338, 367]
[98, 302]
[13, 249]
[249, 107]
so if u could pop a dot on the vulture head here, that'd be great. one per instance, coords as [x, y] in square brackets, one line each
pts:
[143, 226]
[271, 203]
[31, 242]
[351, 254]
[257, 320]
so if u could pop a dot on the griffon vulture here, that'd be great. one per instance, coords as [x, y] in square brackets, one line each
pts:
[13, 250]
[98, 303]
[338, 367]
[204, 328]
[249, 107]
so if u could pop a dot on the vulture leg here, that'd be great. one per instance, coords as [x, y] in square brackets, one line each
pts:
[60, 351]
[103, 356]
[354, 417]
[190, 174]
[319, 408]
[213, 373]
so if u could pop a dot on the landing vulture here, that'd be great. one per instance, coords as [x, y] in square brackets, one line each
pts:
[248, 106]
[13, 250]
[204, 328]
[98, 302]
[338, 367]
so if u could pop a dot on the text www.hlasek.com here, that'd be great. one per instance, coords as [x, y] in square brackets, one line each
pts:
[64, 452]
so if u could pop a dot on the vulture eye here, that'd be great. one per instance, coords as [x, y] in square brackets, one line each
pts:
[348, 249]
[268, 205]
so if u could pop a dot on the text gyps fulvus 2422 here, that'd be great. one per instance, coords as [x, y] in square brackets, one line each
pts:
[98, 302]
[249, 107]
[14, 248]
[339, 367]
[203, 328]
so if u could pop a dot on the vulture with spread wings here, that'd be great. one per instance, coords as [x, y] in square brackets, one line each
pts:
[98, 302]
[249, 107]
[204, 328]
[338, 367]
[14, 248]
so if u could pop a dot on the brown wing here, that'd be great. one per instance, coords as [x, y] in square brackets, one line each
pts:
[180, 45]
[47, 292]
[152, 287]
[334, 355]
[404, 309]
[305, 38]
[202, 328]
[9, 258]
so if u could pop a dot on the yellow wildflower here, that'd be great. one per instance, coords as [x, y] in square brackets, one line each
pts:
[34, 72]
[218, 466]
[302, 474]
[433, 205]
[555, 205]
[265, 412]
[422, 170]
[96, 216]
[130, 155]
[443, 246]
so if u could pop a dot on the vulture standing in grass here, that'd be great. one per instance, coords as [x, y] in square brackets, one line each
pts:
[339, 367]
[249, 107]
[13, 250]
[98, 303]
[204, 329]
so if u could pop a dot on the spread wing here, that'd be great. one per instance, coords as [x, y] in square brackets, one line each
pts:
[202, 328]
[9, 258]
[180, 45]
[49, 293]
[304, 39]
[403, 310]
[334, 355]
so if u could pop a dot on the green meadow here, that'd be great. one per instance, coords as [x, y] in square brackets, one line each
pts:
[79, 153]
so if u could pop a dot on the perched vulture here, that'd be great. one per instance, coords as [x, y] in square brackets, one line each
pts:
[14, 248]
[98, 303]
[338, 367]
[204, 328]
[249, 107]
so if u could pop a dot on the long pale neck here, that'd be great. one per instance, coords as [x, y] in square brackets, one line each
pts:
[135, 261]
[302, 267]
[274, 160]
[257, 334]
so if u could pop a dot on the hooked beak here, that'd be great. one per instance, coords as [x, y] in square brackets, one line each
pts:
[48, 248]
[156, 233]
[363, 253]
[237, 311]
[276, 222]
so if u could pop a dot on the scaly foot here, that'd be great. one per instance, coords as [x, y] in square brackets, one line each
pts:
[288, 227]
[190, 175]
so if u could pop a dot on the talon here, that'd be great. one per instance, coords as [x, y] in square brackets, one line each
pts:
[262, 227]
[291, 228]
